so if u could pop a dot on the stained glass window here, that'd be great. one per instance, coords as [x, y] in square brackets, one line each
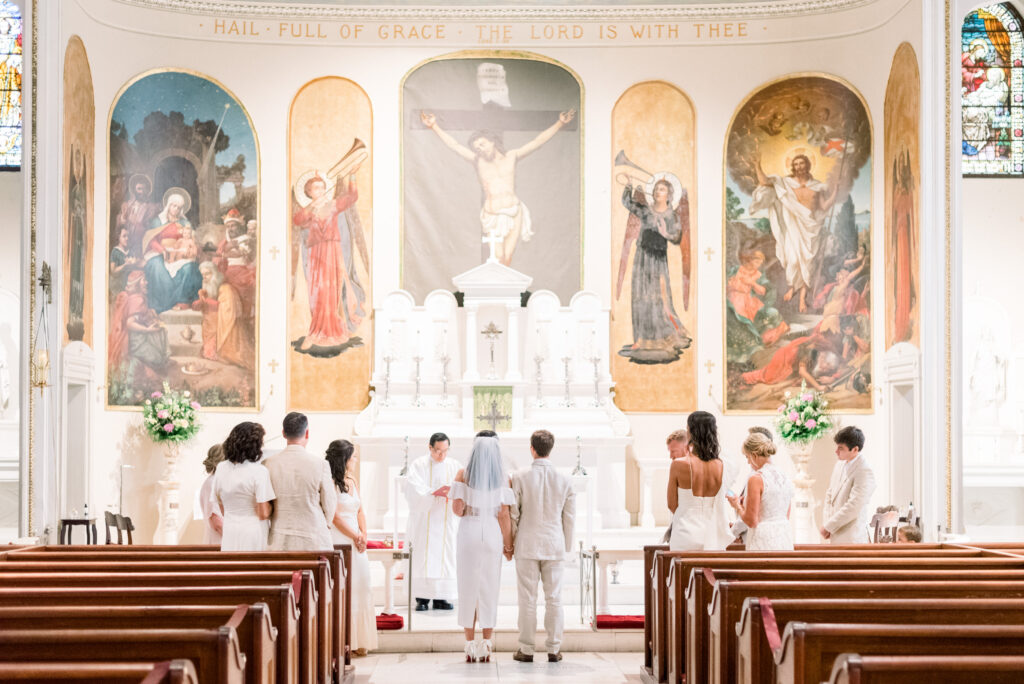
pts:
[10, 86]
[992, 92]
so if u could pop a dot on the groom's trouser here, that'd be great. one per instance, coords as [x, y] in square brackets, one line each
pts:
[549, 573]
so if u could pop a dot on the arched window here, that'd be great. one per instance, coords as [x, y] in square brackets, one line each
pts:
[10, 86]
[992, 92]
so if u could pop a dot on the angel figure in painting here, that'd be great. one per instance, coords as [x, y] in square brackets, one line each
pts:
[653, 223]
[328, 224]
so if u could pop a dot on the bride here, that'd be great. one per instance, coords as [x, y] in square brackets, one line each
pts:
[481, 496]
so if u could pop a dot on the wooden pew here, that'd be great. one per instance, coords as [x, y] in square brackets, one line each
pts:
[337, 632]
[687, 626]
[730, 593]
[809, 650]
[256, 635]
[214, 652]
[756, 639]
[857, 669]
[280, 600]
[657, 564]
[314, 664]
[709, 625]
[167, 672]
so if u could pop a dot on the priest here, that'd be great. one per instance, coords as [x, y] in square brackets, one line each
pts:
[432, 525]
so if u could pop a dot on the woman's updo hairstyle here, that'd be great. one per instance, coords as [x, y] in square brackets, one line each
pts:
[758, 446]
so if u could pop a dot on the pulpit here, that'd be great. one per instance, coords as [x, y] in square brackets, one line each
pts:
[502, 358]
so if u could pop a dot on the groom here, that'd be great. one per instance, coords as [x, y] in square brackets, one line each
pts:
[542, 522]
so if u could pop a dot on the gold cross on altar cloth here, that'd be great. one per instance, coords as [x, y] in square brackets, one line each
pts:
[492, 416]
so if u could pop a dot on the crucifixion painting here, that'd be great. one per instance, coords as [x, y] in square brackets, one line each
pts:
[515, 121]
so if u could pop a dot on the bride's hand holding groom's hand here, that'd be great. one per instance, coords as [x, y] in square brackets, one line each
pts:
[509, 551]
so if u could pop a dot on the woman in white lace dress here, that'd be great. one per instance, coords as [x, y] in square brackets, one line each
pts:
[349, 527]
[242, 491]
[481, 496]
[765, 508]
[696, 490]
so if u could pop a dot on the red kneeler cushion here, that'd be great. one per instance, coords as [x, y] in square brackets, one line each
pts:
[619, 621]
[373, 544]
[392, 621]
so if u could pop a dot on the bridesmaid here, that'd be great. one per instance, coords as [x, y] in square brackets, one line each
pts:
[242, 490]
[349, 527]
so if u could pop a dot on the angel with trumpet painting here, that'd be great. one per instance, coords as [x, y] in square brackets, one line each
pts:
[327, 228]
[659, 214]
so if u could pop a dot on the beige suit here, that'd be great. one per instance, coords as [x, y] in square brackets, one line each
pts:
[542, 523]
[306, 500]
[845, 511]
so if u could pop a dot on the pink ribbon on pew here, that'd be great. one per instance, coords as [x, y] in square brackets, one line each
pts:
[297, 584]
[709, 576]
[771, 627]
[159, 673]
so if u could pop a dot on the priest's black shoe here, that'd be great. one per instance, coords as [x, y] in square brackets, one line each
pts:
[442, 605]
[522, 657]
[422, 604]
[554, 657]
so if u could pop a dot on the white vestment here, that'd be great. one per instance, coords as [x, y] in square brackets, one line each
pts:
[797, 229]
[432, 528]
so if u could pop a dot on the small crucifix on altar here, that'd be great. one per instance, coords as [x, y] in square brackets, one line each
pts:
[492, 241]
[492, 333]
[493, 417]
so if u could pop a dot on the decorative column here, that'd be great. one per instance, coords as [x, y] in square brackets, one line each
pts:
[647, 514]
[471, 373]
[170, 499]
[512, 372]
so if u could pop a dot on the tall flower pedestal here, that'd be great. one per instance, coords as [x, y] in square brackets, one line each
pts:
[170, 499]
[802, 515]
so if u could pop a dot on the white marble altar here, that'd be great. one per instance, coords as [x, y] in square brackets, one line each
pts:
[550, 360]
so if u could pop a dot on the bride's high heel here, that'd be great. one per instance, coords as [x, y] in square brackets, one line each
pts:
[483, 651]
[470, 652]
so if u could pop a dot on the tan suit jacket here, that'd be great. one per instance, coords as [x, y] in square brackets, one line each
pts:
[306, 500]
[544, 514]
[845, 511]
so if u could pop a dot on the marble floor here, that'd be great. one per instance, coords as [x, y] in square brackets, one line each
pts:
[449, 668]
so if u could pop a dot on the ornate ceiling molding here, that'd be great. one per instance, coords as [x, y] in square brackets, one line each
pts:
[748, 10]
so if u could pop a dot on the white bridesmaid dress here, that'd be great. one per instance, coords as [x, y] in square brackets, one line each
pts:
[364, 617]
[702, 522]
[478, 550]
[238, 487]
[773, 531]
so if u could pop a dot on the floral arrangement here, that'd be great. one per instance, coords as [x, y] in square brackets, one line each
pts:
[804, 417]
[171, 416]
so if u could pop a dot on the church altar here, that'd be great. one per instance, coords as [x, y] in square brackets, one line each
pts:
[506, 360]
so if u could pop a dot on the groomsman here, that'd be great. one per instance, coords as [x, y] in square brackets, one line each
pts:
[433, 525]
[849, 491]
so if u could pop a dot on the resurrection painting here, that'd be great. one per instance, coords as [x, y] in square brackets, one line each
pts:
[77, 212]
[992, 92]
[491, 160]
[653, 235]
[331, 219]
[797, 246]
[902, 199]
[183, 269]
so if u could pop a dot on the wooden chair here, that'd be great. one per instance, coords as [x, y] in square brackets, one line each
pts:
[110, 520]
[885, 526]
[124, 524]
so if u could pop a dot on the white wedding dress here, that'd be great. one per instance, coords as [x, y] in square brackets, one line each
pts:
[364, 618]
[238, 487]
[702, 522]
[478, 550]
[773, 531]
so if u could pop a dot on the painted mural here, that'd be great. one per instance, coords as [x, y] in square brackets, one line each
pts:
[78, 148]
[797, 246]
[653, 239]
[486, 137]
[183, 269]
[902, 199]
[329, 299]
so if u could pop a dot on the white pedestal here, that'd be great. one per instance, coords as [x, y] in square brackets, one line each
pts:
[804, 529]
[170, 499]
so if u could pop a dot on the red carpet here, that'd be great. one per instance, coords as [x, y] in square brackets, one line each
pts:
[391, 621]
[374, 544]
[619, 621]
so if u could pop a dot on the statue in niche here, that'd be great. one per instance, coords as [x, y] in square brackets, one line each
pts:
[987, 383]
